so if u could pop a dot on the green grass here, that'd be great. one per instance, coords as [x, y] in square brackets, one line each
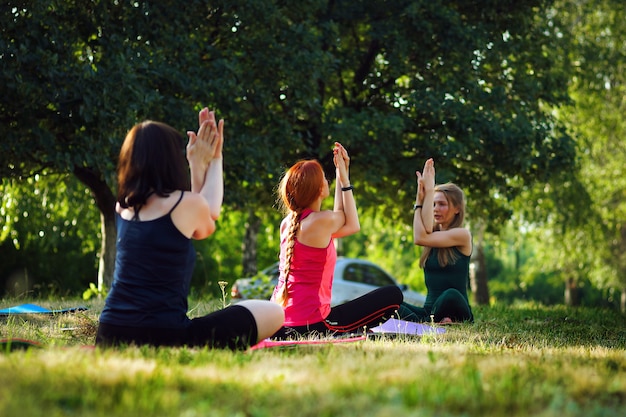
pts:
[514, 361]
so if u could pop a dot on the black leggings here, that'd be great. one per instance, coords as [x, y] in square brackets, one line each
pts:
[233, 327]
[355, 316]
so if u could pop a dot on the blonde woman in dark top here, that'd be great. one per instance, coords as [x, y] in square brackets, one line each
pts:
[158, 213]
[447, 247]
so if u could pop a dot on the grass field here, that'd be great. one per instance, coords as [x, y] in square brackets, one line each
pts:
[514, 361]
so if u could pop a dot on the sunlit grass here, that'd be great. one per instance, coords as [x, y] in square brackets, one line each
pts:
[517, 361]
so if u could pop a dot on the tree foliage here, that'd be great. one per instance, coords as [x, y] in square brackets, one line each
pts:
[599, 89]
[470, 83]
[48, 243]
[578, 220]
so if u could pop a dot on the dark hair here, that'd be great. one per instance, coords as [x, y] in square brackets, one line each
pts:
[151, 161]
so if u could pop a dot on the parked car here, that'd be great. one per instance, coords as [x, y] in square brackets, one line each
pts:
[353, 278]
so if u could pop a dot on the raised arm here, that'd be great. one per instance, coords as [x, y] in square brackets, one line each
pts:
[423, 209]
[344, 196]
[204, 153]
[428, 187]
[215, 172]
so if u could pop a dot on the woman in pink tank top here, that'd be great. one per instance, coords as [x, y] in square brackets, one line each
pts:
[308, 256]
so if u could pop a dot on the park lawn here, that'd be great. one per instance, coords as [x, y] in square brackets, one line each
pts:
[521, 360]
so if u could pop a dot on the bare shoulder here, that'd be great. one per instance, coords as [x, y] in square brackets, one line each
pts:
[316, 229]
[322, 216]
[192, 203]
[325, 219]
[190, 197]
[192, 216]
[465, 240]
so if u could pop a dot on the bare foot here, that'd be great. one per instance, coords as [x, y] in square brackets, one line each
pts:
[446, 320]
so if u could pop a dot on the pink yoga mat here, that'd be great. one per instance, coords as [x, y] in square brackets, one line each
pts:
[274, 343]
[393, 327]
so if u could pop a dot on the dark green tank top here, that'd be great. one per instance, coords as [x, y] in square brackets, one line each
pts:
[439, 279]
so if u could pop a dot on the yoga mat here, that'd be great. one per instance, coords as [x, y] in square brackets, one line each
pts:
[9, 345]
[13, 344]
[35, 309]
[390, 328]
[267, 343]
[400, 327]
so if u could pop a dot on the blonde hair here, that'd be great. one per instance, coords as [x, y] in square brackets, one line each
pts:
[456, 199]
[299, 188]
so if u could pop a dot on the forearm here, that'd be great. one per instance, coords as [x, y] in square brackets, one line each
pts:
[198, 175]
[213, 187]
[348, 206]
[352, 216]
[338, 202]
[418, 226]
[427, 214]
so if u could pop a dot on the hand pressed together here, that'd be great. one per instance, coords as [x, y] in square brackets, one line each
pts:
[206, 145]
[425, 180]
[342, 164]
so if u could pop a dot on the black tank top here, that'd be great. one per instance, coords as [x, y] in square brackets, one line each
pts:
[153, 267]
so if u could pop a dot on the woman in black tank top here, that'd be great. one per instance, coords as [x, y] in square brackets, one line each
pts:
[159, 211]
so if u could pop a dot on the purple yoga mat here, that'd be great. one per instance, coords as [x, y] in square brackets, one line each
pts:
[397, 326]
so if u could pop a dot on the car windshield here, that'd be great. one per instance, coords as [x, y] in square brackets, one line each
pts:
[367, 274]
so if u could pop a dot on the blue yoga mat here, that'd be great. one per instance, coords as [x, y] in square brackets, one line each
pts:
[35, 309]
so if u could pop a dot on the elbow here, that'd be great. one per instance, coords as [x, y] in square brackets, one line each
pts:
[205, 231]
[355, 228]
[347, 230]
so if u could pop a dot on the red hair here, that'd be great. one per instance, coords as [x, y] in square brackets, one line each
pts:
[300, 187]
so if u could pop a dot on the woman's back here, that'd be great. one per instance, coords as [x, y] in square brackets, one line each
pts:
[153, 269]
[309, 280]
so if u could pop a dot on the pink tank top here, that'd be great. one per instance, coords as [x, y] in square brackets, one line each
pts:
[310, 281]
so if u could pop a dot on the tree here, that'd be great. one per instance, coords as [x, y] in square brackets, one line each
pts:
[77, 75]
[599, 88]
[48, 242]
[467, 83]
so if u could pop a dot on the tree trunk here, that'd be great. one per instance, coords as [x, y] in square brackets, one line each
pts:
[105, 201]
[622, 302]
[572, 293]
[480, 286]
[106, 266]
[249, 245]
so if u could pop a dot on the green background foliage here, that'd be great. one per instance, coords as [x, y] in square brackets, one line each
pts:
[519, 102]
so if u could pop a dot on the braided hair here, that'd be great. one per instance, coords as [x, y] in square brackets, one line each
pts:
[299, 188]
